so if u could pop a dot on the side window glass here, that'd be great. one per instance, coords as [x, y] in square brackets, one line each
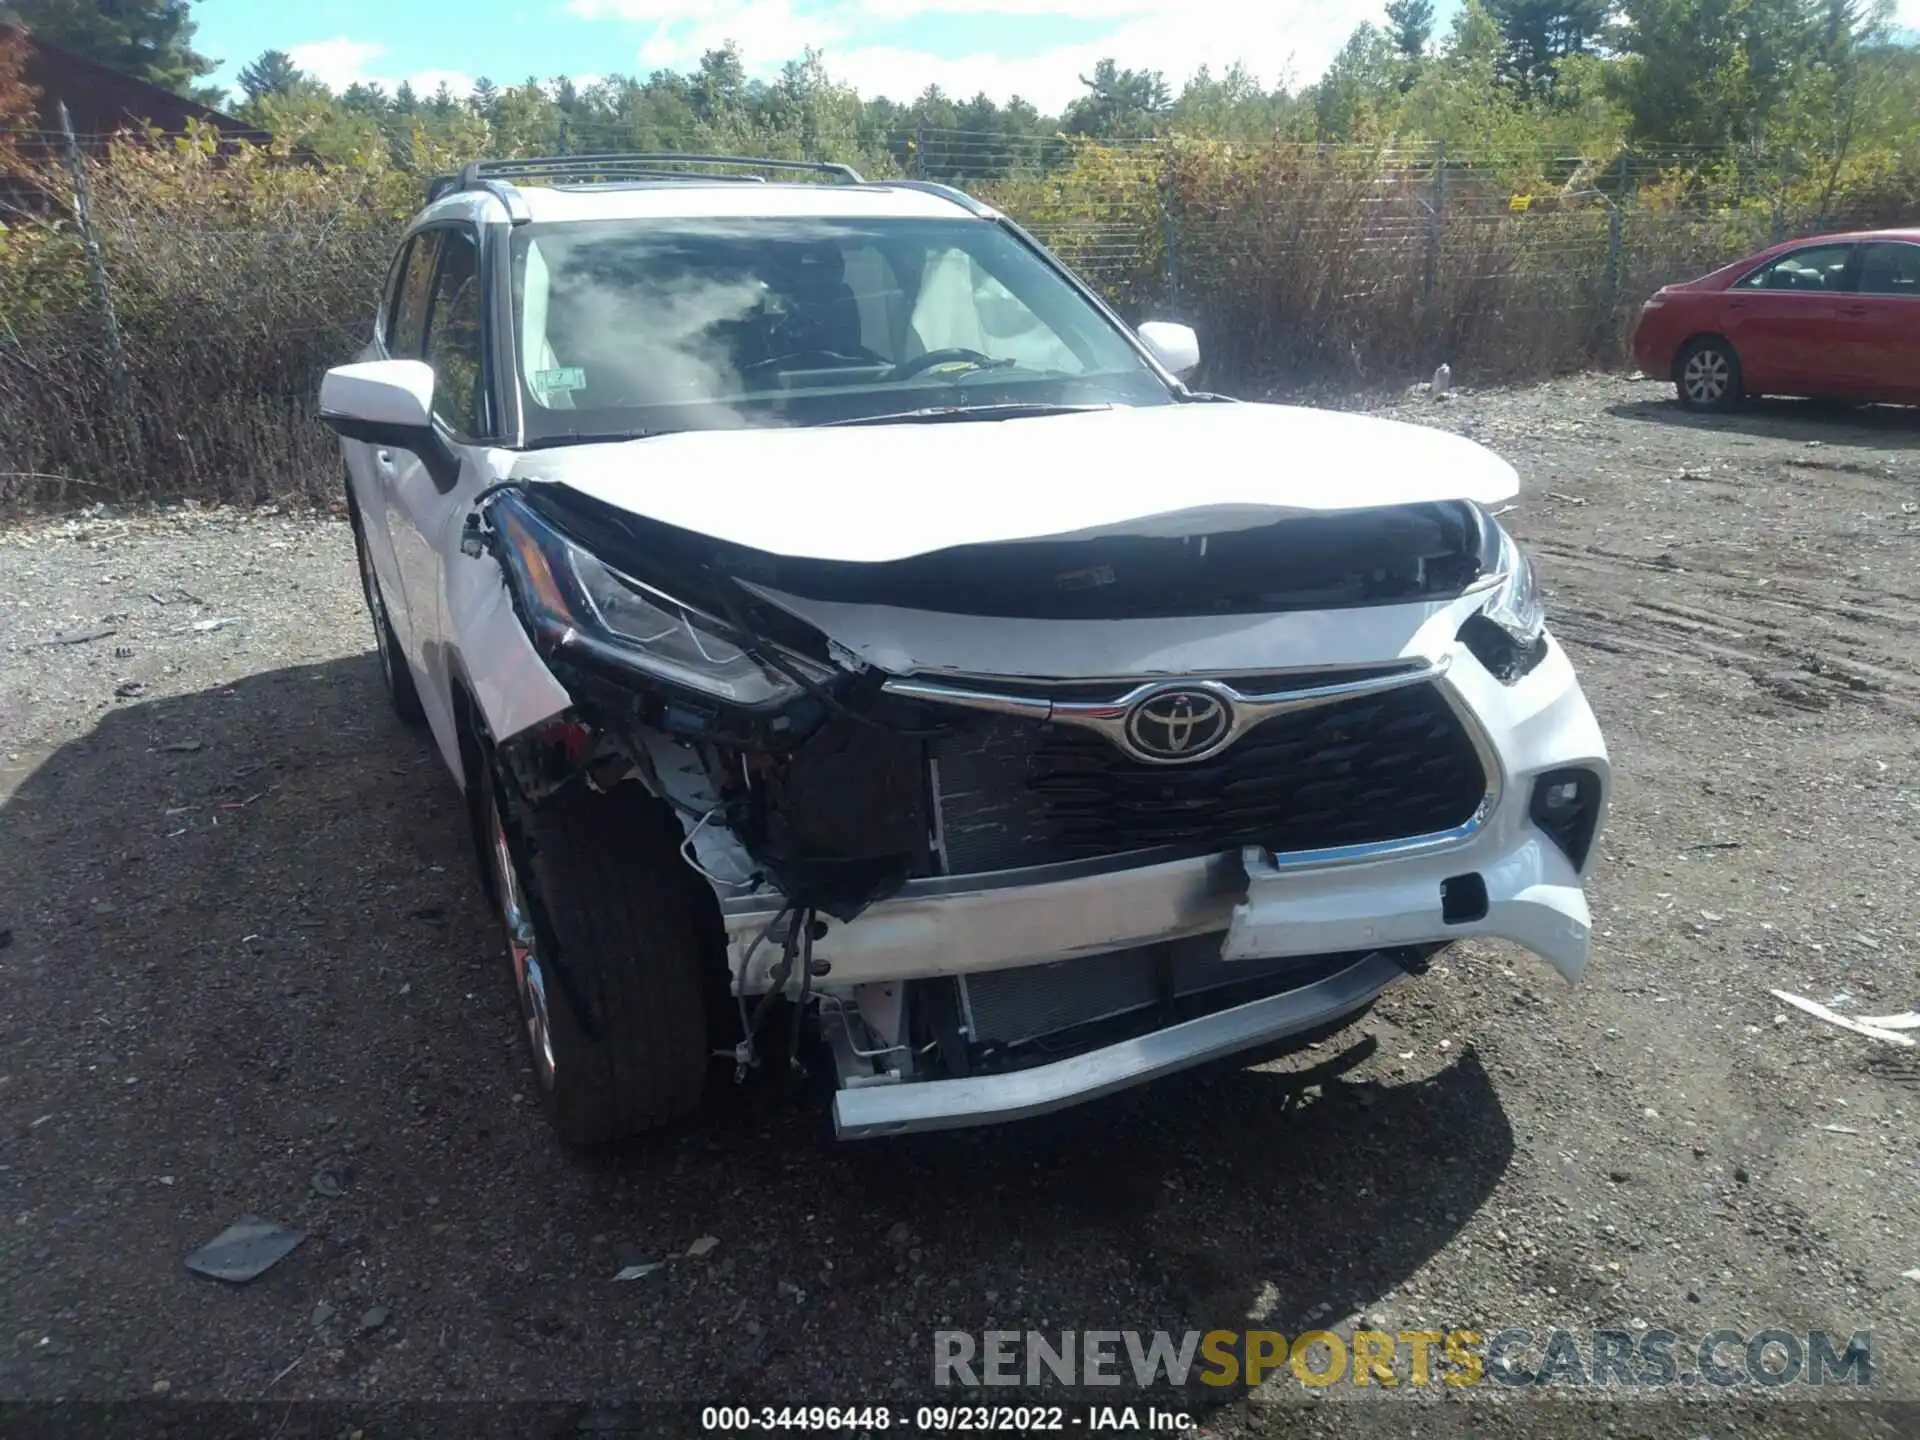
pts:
[1819, 267]
[409, 321]
[454, 348]
[390, 301]
[1890, 268]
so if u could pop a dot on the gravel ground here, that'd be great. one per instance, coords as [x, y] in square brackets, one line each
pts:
[248, 970]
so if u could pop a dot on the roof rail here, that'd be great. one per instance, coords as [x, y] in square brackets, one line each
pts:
[644, 165]
[978, 208]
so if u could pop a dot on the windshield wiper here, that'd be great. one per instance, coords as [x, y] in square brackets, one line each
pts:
[577, 437]
[938, 414]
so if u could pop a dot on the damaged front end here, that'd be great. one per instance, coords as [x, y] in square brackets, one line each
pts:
[1018, 859]
[771, 753]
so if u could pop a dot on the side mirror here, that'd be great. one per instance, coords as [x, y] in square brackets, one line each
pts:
[381, 402]
[1174, 346]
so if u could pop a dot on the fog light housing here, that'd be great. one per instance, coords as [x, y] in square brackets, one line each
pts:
[1566, 805]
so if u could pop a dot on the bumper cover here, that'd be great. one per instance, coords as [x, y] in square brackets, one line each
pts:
[875, 1110]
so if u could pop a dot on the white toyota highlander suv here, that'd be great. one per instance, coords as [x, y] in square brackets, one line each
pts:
[852, 639]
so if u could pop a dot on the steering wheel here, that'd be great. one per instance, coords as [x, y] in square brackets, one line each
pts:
[953, 354]
[813, 356]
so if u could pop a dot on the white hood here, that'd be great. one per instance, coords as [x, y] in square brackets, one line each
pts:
[886, 492]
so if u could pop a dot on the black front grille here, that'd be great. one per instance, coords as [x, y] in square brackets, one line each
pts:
[1016, 792]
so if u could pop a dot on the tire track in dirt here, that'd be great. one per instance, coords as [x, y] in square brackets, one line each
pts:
[1853, 654]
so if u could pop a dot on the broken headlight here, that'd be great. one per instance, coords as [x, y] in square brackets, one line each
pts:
[572, 600]
[1514, 605]
[1509, 633]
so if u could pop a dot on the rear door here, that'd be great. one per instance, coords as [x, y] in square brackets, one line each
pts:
[1785, 321]
[1884, 315]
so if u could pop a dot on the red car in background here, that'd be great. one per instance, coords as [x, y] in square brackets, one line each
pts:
[1832, 317]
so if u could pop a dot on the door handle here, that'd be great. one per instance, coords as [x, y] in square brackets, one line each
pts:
[1855, 310]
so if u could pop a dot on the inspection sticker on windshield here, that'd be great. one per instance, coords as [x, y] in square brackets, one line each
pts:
[568, 377]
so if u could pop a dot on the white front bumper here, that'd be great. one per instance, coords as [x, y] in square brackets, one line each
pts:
[1333, 902]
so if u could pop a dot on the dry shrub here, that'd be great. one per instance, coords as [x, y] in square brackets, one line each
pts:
[236, 276]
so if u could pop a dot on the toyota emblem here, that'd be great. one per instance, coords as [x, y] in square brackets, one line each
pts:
[1174, 725]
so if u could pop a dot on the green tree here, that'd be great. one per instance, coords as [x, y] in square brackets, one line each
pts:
[719, 85]
[1361, 82]
[1232, 106]
[484, 97]
[274, 73]
[1119, 104]
[1539, 34]
[1410, 26]
[358, 99]
[1718, 74]
[151, 40]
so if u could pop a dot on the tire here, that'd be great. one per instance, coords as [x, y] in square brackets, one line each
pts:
[596, 909]
[1706, 376]
[398, 679]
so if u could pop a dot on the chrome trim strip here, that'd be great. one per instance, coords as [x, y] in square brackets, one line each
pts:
[870, 1111]
[1109, 717]
[1382, 849]
[1022, 706]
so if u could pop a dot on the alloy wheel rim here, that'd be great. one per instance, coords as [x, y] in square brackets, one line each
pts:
[529, 981]
[1707, 376]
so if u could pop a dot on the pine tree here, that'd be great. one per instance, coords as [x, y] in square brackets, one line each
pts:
[274, 73]
[1410, 26]
[1539, 34]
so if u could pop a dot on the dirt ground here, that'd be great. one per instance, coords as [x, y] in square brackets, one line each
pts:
[247, 970]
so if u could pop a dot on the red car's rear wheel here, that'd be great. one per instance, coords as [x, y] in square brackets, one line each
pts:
[1707, 376]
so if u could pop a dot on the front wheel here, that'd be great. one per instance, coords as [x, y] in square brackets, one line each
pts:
[603, 942]
[1707, 376]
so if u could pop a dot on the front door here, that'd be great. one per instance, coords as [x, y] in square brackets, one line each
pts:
[1784, 318]
[426, 507]
[1884, 318]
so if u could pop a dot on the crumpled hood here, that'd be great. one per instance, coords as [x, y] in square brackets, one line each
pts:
[869, 493]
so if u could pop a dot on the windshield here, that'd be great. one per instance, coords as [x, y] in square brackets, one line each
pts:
[632, 326]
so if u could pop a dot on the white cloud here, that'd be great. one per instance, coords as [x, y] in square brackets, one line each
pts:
[1276, 39]
[1277, 42]
[767, 31]
[336, 63]
[340, 62]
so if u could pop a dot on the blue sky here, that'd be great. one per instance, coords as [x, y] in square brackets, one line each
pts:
[1034, 48]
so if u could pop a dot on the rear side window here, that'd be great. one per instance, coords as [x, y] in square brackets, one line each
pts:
[1818, 267]
[1888, 267]
[454, 347]
[408, 327]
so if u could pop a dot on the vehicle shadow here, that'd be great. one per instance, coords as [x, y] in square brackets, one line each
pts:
[249, 972]
[1879, 427]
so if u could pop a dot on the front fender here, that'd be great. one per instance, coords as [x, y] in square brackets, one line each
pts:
[511, 684]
